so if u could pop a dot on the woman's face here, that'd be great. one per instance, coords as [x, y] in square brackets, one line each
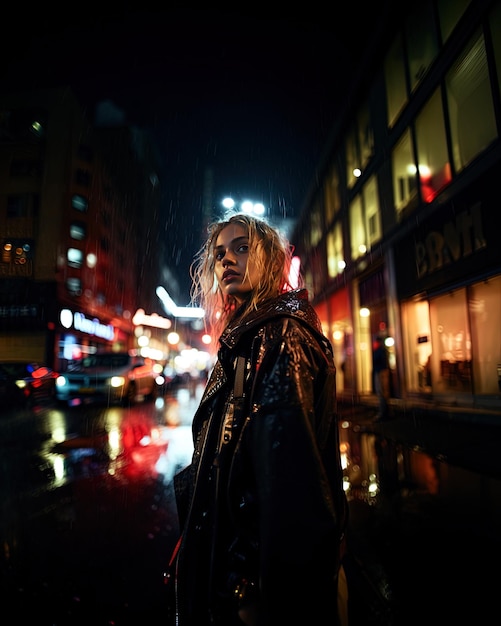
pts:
[231, 254]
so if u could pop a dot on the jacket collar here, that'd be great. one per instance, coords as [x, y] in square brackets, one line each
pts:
[292, 303]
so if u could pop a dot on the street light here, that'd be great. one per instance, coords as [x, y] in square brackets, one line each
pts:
[247, 206]
[228, 203]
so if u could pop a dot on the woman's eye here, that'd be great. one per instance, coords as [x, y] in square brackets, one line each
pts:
[243, 248]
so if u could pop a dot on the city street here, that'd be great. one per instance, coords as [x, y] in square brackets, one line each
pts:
[88, 516]
[171, 195]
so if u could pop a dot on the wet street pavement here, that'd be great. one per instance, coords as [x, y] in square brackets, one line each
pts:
[88, 518]
[88, 515]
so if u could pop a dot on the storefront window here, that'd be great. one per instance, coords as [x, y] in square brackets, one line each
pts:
[485, 313]
[451, 341]
[342, 339]
[417, 338]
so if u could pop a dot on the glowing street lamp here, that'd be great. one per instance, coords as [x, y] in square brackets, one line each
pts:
[228, 203]
[253, 208]
[247, 206]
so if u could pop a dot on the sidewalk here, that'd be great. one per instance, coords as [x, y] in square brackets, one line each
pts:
[462, 436]
[410, 540]
[419, 407]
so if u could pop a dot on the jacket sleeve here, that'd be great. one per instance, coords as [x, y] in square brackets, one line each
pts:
[293, 406]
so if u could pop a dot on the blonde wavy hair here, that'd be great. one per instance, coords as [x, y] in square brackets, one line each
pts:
[272, 253]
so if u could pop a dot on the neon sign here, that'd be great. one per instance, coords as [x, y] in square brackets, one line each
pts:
[85, 325]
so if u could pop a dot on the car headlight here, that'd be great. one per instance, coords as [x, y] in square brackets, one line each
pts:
[117, 381]
[61, 381]
[21, 384]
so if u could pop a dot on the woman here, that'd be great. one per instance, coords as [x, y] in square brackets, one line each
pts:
[261, 506]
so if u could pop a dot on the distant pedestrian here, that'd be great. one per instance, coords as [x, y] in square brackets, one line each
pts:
[261, 507]
[381, 375]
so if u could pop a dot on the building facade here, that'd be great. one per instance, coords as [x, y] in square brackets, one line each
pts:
[398, 234]
[79, 215]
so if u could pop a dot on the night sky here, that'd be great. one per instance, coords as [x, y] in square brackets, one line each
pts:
[246, 96]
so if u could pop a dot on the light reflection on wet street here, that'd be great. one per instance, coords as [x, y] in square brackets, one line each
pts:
[88, 514]
[424, 528]
[88, 517]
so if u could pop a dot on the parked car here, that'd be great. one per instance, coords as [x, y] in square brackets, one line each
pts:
[26, 384]
[110, 377]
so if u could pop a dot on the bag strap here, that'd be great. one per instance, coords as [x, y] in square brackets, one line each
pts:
[238, 387]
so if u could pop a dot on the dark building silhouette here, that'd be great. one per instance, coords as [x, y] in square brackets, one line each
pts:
[79, 230]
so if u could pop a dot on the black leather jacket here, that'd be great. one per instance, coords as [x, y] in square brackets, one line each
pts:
[262, 505]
